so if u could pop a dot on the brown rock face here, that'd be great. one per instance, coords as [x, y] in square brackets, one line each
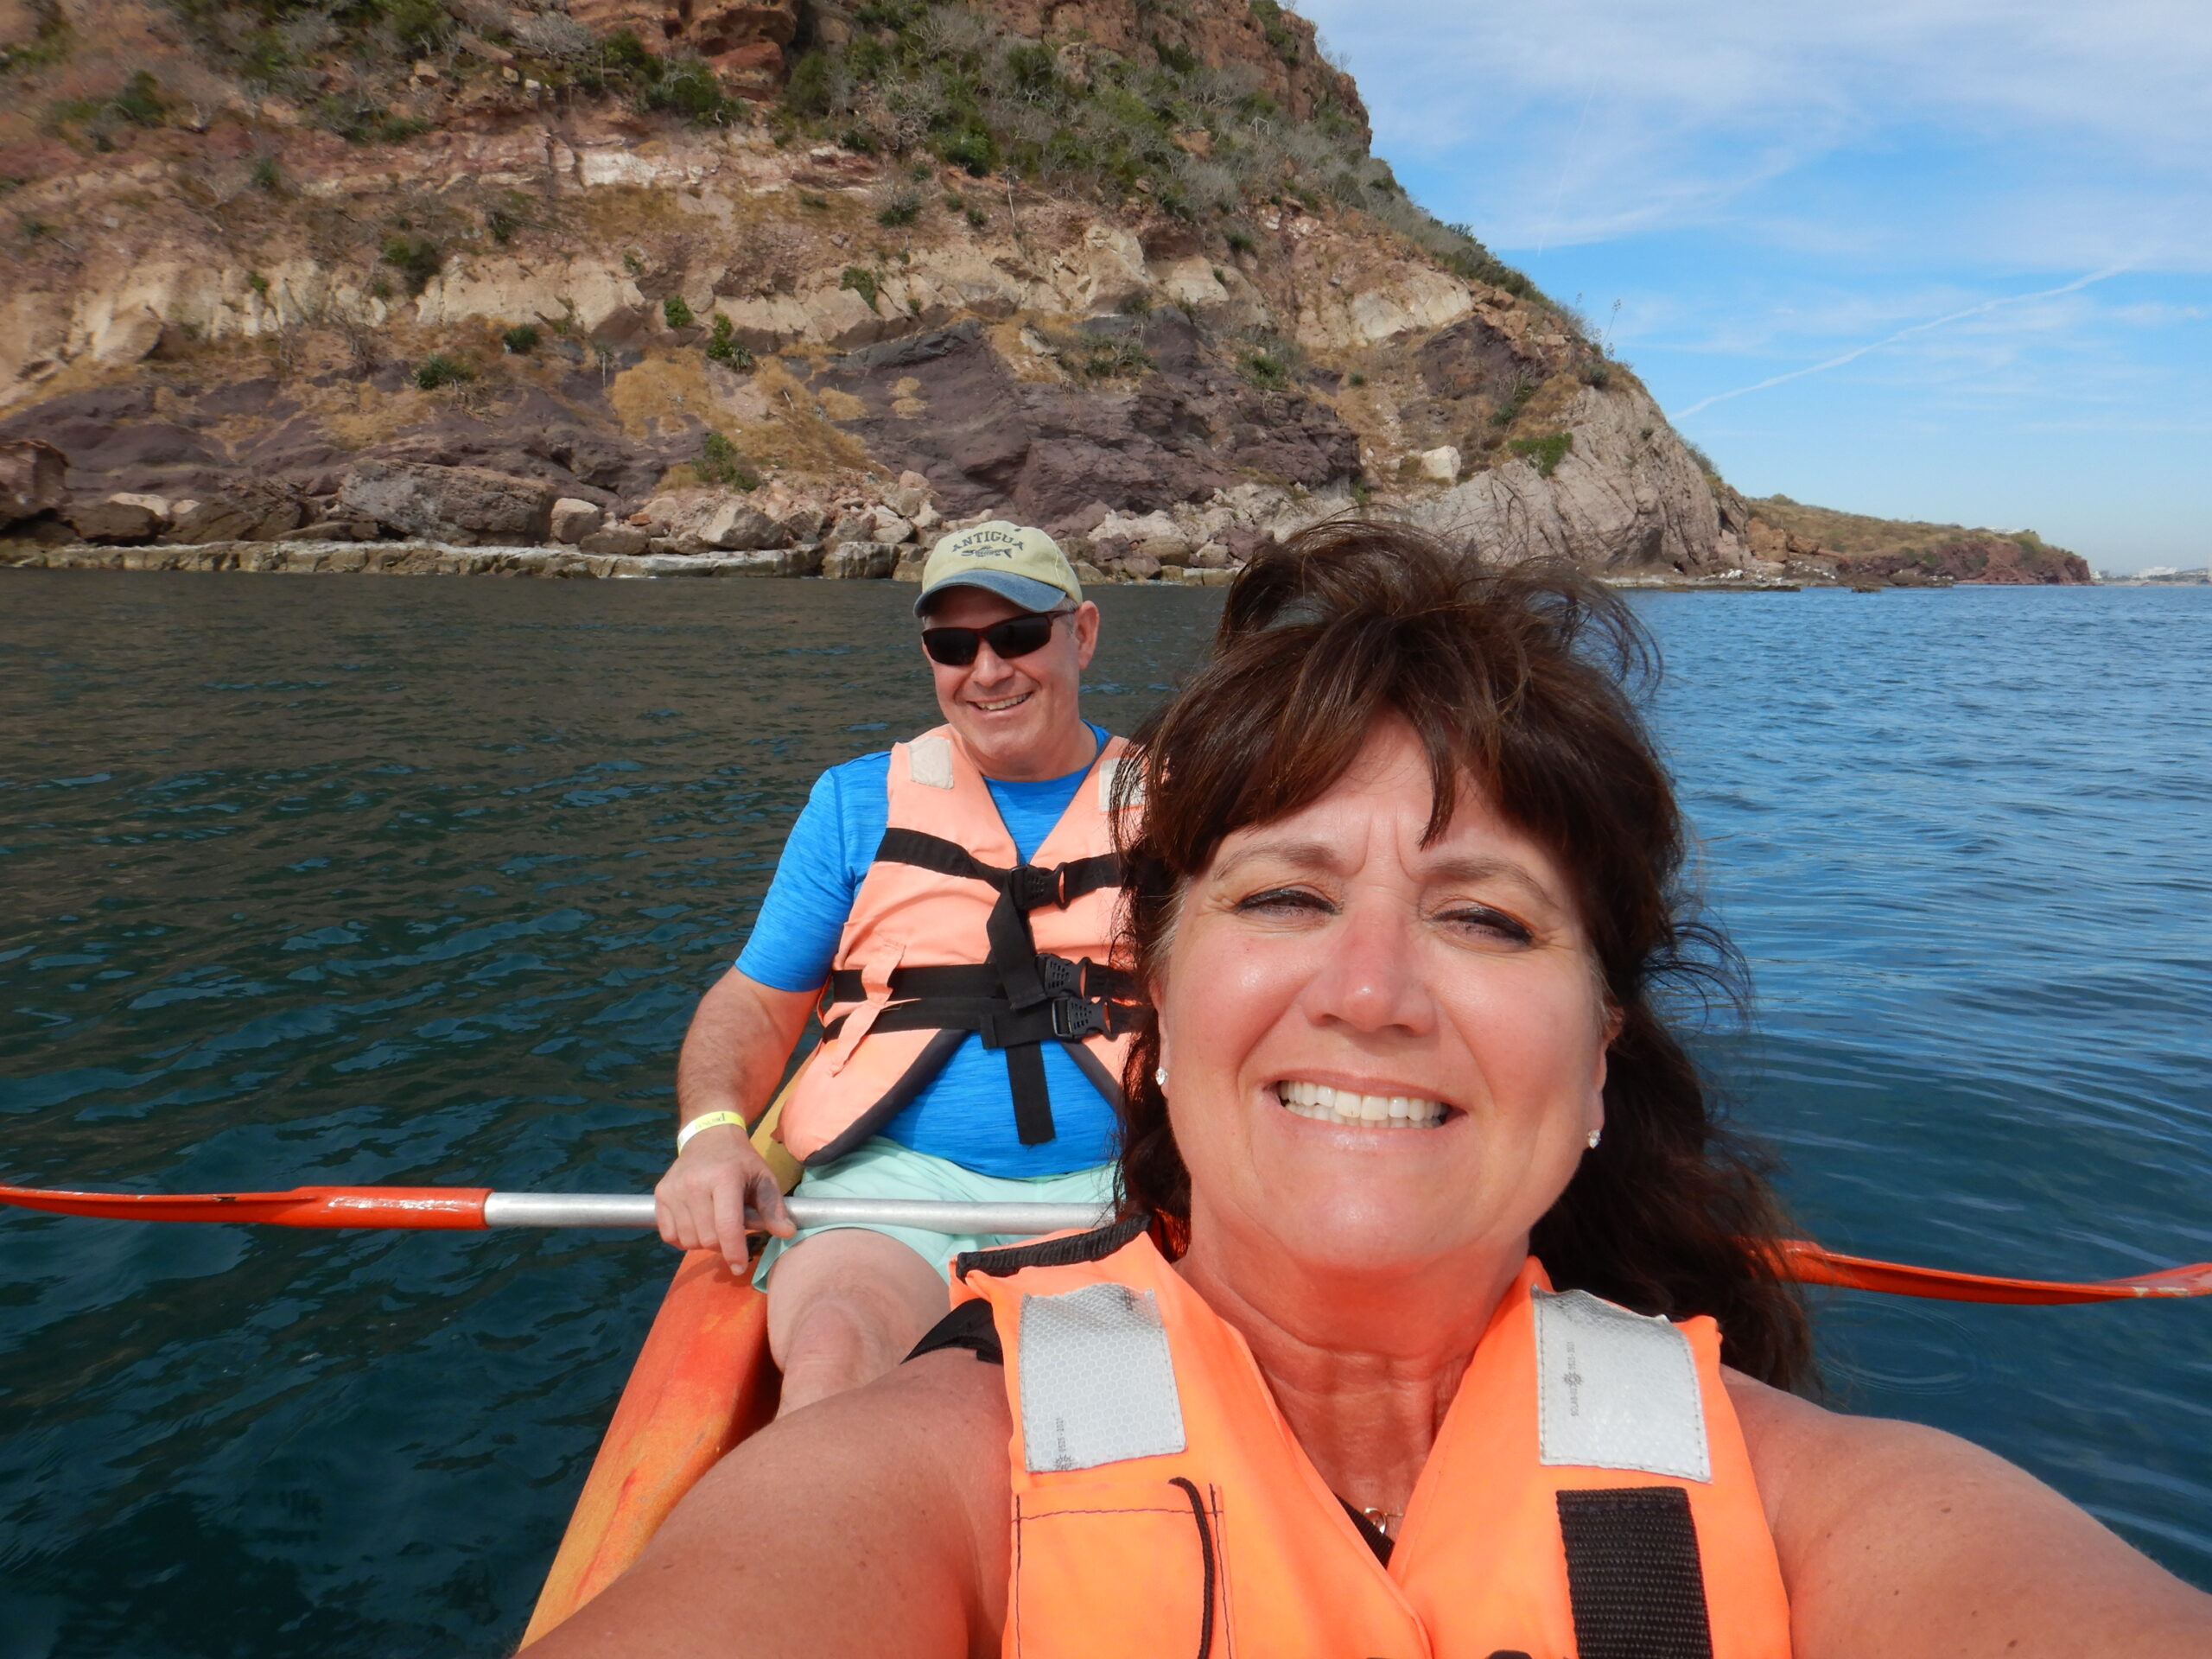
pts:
[31, 480]
[1979, 558]
[859, 561]
[244, 513]
[736, 528]
[743, 41]
[946, 404]
[467, 506]
[114, 521]
[623, 539]
[1275, 46]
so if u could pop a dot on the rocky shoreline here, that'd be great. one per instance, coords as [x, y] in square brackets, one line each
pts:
[851, 561]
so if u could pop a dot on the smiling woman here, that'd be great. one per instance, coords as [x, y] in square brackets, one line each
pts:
[1441, 1317]
[1374, 667]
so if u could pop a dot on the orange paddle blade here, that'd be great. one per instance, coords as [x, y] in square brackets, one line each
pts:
[1809, 1264]
[303, 1206]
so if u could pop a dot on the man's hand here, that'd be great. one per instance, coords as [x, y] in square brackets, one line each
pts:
[717, 1189]
[732, 1055]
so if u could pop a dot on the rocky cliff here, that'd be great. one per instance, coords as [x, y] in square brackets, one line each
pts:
[1857, 547]
[676, 276]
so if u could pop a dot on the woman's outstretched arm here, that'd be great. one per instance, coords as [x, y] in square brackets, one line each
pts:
[872, 1523]
[1897, 1541]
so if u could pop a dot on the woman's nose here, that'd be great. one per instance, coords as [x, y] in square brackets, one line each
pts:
[1370, 979]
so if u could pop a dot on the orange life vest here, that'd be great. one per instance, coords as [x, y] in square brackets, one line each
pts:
[951, 932]
[1588, 1493]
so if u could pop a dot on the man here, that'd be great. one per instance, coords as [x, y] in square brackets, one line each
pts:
[950, 907]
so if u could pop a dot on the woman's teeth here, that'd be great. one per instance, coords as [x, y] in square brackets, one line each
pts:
[1326, 1105]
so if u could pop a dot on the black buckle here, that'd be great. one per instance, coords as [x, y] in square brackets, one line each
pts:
[1074, 1019]
[1059, 977]
[1034, 888]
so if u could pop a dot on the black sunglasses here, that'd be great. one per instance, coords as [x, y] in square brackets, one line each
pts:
[1016, 637]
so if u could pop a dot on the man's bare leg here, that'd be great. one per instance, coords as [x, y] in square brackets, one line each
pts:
[843, 1308]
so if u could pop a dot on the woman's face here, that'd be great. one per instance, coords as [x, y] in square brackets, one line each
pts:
[1381, 1053]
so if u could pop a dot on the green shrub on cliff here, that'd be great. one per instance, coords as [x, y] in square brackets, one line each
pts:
[719, 462]
[50, 41]
[417, 259]
[690, 88]
[1546, 452]
[438, 369]
[366, 123]
[723, 345]
[1265, 371]
[861, 281]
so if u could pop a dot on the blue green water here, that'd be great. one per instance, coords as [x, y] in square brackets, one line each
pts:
[416, 881]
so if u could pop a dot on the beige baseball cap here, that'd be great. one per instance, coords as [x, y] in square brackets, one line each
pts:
[1016, 562]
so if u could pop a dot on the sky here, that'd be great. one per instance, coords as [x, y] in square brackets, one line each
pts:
[1937, 259]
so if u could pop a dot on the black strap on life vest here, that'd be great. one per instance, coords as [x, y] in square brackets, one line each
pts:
[1018, 998]
[1004, 1261]
[1634, 1579]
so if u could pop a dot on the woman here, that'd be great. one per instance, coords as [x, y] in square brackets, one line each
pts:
[1403, 898]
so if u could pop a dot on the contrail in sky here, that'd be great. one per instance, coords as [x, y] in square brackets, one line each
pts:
[1858, 352]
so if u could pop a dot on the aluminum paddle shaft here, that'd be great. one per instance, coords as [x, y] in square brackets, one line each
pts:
[623, 1210]
[477, 1207]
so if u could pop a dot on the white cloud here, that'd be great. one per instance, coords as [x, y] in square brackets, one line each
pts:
[1694, 105]
[1978, 309]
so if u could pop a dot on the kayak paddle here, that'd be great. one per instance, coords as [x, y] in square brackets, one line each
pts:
[473, 1207]
[476, 1207]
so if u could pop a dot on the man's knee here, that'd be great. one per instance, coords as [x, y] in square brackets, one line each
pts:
[845, 1306]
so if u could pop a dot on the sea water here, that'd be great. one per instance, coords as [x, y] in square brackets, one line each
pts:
[413, 881]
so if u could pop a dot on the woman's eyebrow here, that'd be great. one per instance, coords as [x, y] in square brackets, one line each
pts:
[1297, 855]
[1320, 855]
[1477, 869]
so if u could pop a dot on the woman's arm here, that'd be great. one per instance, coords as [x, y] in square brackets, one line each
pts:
[1898, 1541]
[872, 1525]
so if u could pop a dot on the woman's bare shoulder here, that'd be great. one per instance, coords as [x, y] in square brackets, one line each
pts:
[874, 1521]
[1898, 1538]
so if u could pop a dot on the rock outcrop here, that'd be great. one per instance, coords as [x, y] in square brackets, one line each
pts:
[463, 506]
[1613, 495]
[1855, 547]
[564, 276]
[32, 480]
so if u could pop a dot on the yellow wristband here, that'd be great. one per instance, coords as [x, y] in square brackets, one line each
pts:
[707, 1121]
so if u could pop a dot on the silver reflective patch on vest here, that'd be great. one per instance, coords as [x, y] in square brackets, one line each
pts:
[1109, 776]
[929, 762]
[1096, 1383]
[1616, 1390]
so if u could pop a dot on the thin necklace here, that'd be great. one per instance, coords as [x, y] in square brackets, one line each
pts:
[1384, 1521]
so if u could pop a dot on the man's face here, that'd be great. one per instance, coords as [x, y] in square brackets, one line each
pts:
[1019, 719]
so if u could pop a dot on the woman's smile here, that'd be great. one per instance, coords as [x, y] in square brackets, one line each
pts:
[1357, 1109]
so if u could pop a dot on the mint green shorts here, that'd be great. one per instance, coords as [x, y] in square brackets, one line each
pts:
[884, 1169]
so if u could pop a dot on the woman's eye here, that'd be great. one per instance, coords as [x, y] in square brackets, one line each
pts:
[1482, 920]
[1284, 901]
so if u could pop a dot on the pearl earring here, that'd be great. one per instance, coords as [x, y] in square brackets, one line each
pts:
[1159, 1075]
[1596, 1136]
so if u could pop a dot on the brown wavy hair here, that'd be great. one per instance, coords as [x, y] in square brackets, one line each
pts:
[1523, 678]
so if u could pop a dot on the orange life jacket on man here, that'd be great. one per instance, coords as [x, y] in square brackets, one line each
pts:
[951, 932]
[1587, 1494]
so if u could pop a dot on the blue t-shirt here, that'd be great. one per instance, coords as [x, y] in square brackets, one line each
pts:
[967, 1115]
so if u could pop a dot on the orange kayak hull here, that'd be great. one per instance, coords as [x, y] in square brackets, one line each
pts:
[704, 1381]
